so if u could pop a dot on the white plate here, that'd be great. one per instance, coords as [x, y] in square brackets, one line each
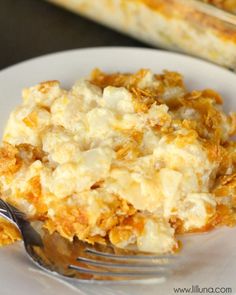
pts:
[210, 259]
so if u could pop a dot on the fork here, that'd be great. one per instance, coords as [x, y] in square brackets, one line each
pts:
[80, 260]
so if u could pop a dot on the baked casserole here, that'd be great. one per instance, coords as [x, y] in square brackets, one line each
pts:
[127, 159]
[189, 26]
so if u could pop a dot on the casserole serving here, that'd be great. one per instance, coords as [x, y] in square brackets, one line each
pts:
[127, 159]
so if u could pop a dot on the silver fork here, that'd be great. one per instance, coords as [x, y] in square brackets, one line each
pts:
[79, 260]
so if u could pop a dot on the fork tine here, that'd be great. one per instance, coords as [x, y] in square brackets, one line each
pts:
[122, 265]
[15, 211]
[128, 257]
[7, 210]
[84, 270]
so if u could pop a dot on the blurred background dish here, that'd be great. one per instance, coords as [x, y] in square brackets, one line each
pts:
[228, 5]
[190, 26]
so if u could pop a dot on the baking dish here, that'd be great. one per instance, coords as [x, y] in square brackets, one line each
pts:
[188, 26]
[229, 5]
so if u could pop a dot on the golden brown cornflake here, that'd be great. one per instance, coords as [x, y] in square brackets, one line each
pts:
[8, 233]
[9, 162]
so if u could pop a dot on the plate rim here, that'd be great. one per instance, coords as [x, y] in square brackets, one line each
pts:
[57, 54]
